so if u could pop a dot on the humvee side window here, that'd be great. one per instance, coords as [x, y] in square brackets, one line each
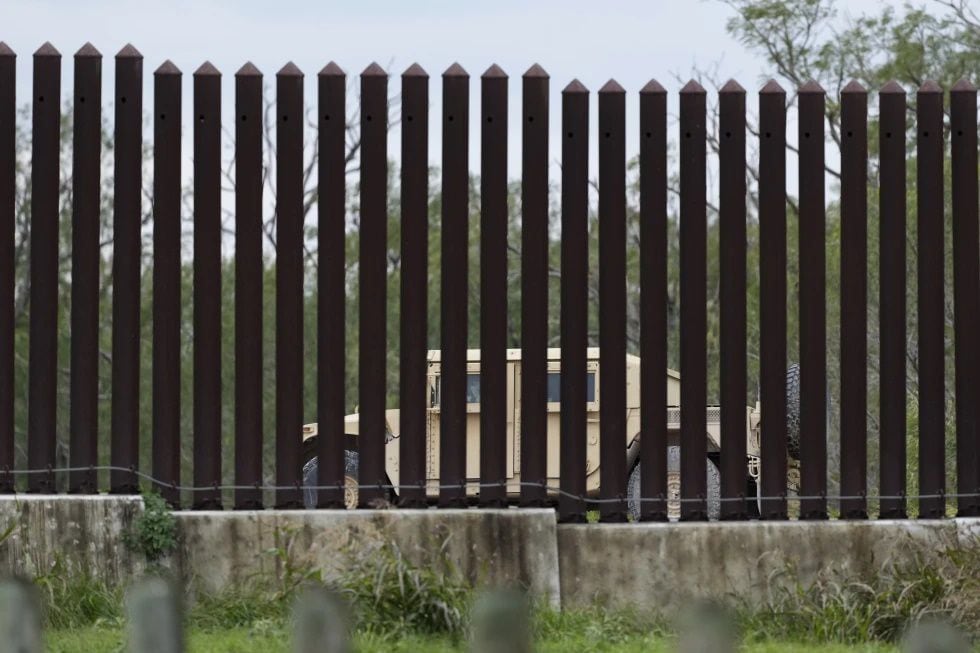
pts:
[472, 389]
[554, 387]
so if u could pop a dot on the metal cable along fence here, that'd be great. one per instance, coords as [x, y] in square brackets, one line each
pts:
[531, 472]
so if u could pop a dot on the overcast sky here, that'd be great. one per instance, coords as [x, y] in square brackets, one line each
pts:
[592, 41]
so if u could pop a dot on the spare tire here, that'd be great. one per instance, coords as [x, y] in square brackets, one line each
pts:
[713, 484]
[793, 410]
[311, 477]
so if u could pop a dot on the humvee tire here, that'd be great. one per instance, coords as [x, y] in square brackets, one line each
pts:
[793, 410]
[310, 477]
[673, 487]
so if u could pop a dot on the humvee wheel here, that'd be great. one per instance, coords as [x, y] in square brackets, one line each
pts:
[674, 488]
[310, 477]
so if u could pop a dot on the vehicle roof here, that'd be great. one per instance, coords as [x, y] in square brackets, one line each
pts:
[554, 354]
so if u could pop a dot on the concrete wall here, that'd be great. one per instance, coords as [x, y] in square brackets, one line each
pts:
[645, 566]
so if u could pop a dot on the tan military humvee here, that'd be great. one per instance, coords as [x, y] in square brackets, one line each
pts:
[513, 376]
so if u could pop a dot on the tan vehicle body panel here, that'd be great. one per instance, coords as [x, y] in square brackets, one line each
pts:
[352, 422]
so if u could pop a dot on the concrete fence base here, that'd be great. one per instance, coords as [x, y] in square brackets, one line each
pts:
[642, 566]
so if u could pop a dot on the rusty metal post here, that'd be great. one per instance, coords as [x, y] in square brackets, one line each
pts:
[126, 272]
[854, 300]
[86, 224]
[43, 379]
[289, 285]
[653, 301]
[166, 279]
[414, 391]
[732, 247]
[455, 233]
[891, 312]
[772, 297]
[693, 312]
[493, 286]
[813, 306]
[207, 286]
[534, 287]
[331, 285]
[8, 192]
[932, 419]
[574, 299]
[612, 300]
[373, 267]
[249, 272]
[966, 289]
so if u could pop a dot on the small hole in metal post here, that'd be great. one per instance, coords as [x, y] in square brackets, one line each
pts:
[326, 116]
[888, 134]
[608, 134]
[489, 118]
[450, 118]
[687, 134]
[163, 116]
[768, 134]
[925, 134]
[200, 118]
[244, 118]
[123, 99]
[40, 98]
[368, 118]
[850, 134]
[959, 132]
[285, 118]
[409, 118]
[530, 118]
[649, 134]
[728, 134]
[82, 99]
[806, 134]
[571, 134]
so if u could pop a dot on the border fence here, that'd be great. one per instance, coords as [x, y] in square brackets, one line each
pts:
[929, 115]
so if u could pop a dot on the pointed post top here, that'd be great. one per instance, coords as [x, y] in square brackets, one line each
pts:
[536, 71]
[575, 86]
[47, 50]
[248, 70]
[5, 50]
[374, 70]
[332, 70]
[930, 86]
[129, 52]
[854, 86]
[693, 87]
[494, 72]
[289, 70]
[653, 87]
[772, 87]
[167, 68]
[88, 51]
[415, 70]
[612, 86]
[963, 86]
[455, 70]
[731, 86]
[206, 68]
[891, 87]
[811, 86]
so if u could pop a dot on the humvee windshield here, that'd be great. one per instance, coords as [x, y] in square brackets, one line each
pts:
[554, 388]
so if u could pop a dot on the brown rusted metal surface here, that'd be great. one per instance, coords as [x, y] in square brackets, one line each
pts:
[534, 286]
[373, 267]
[574, 298]
[493, 285]
[892, 311]
[167, 190]
[249, 272]
[86, 224]
[693, 311]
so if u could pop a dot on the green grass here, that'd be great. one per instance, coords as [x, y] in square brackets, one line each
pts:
[97, 639]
